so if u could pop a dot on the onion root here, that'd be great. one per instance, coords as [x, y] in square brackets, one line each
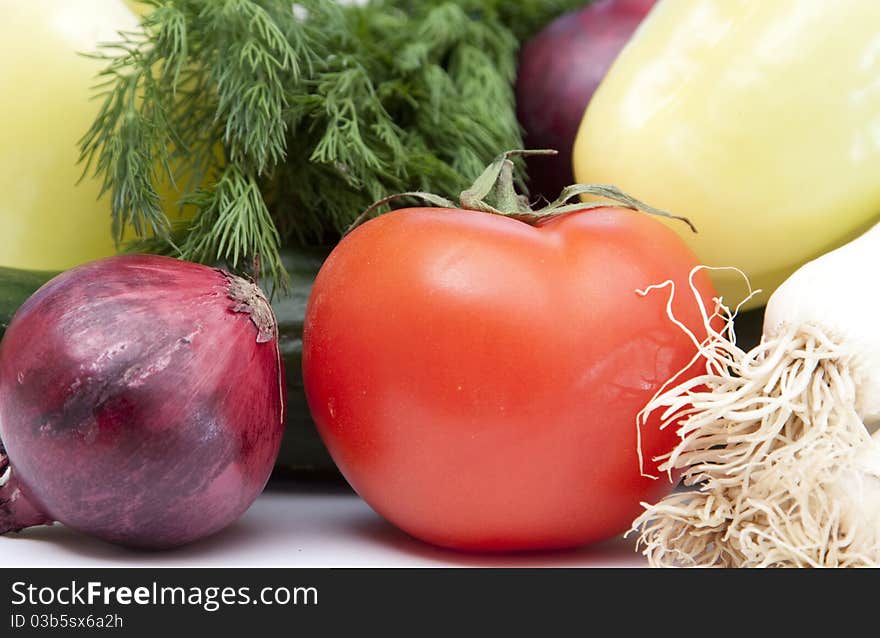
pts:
[776, 465]
[16, 512]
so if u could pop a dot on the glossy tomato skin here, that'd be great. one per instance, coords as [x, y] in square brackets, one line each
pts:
[477, 379]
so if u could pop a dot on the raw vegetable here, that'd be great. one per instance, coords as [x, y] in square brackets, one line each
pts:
[559, 70]
[16, 286]
[755, 119]
[302, 452]
[318, 112]
[777, 443]
[141, 401]
[475, 370]
[45, 109]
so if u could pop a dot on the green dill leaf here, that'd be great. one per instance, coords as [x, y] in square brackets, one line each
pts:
[234, 222]
[280, 122]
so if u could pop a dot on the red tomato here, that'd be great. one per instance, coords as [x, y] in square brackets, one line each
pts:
[477, 379]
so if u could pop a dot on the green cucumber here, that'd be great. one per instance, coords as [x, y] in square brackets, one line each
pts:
[302, 451]
[16, 286]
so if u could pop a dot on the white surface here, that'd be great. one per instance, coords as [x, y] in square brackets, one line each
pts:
[295, 526]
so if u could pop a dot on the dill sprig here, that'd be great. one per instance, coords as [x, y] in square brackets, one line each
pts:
[281, 123]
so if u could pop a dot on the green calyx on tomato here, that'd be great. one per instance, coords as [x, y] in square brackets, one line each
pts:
[477, 379]
[494, 192]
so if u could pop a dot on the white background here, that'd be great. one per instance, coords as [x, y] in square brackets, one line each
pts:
[296, 524]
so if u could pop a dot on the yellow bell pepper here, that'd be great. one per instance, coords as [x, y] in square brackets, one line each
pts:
[760, 121]
[49, 220]
[139, 8]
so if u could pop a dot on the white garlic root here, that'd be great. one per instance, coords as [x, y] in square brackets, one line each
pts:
[781, 468]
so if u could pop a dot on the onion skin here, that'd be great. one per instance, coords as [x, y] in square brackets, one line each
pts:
[139, 403]
[559, 70]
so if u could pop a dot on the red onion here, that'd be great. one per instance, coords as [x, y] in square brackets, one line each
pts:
[559, 70]
[141, 401]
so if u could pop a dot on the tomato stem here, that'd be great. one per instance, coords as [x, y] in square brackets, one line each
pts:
[494, 192]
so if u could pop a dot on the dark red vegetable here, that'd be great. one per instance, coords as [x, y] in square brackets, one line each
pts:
[141, 401]
[559, 70]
